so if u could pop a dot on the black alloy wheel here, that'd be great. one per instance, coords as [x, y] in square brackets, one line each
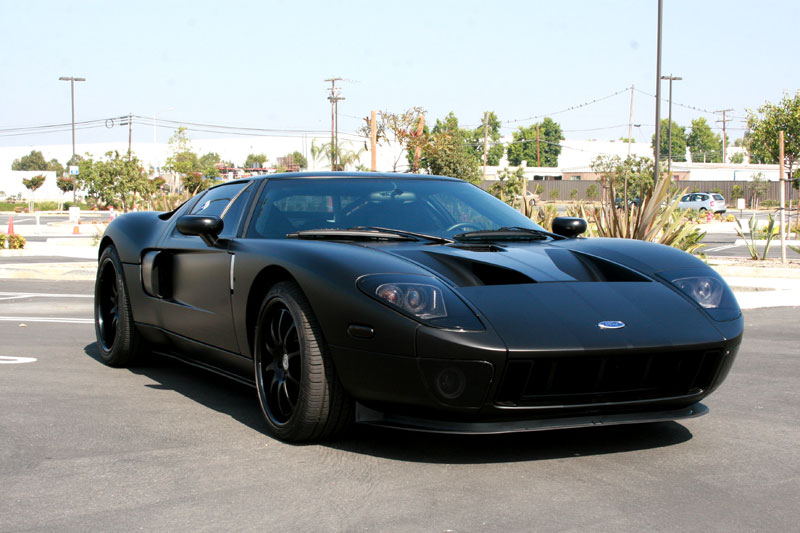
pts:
[298, 391]
[116, 334]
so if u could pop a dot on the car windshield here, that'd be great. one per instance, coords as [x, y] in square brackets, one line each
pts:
[434, 207]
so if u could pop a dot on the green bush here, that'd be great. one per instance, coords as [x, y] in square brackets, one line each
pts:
[45, 206]
[3, 237]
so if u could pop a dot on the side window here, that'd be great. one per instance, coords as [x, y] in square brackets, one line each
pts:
[215, 200]
[686, 198]
[233, 214]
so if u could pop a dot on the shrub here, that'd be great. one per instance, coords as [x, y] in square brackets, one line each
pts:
[730, 218]
[16, 242]
[3, 237]
[591, 191]
[554, 194]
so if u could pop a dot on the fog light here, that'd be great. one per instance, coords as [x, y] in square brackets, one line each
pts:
[450, 383]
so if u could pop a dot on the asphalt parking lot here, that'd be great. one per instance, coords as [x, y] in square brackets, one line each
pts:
[166, 447]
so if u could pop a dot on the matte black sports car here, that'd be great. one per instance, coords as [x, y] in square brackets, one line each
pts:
[413, 301]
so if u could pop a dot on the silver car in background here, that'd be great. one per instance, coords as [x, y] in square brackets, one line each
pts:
[703, 201]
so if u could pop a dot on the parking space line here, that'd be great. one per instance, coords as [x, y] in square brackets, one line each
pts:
[62, 320]
[21, 295]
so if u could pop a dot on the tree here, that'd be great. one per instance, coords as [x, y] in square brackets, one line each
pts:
[184, 162]
[446, 151]
[764, 125]
[348, 156]
[64, 184]
[32, 184]
[115, 179]
[704, 144]
[524, 146]
[398, 129]
[208, 165]
[496, 149]
[678, 141]
[255, 161]
[33, 161]
[757, 188]
[627, 179]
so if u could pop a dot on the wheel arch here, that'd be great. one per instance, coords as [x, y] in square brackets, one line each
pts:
[262, 283]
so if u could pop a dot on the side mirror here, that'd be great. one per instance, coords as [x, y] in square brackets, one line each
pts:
[207, 228]
[569, 226]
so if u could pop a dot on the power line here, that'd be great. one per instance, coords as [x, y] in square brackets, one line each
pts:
[571, 108]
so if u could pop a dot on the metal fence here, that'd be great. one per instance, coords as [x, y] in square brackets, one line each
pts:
[560, 191]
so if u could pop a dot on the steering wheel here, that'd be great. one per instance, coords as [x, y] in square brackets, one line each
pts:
[462, 227]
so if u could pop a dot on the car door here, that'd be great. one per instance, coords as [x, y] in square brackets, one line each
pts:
[197, 304]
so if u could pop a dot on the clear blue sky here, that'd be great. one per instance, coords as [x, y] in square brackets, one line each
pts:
[262, 64]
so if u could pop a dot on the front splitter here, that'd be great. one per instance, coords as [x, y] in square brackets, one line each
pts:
[365, 415]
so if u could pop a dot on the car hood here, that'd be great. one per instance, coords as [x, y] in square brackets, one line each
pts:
[545, 297]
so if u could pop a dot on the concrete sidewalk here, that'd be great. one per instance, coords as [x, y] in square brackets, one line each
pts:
[756, 284]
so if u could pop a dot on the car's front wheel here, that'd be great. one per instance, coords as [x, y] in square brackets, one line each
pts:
[299, 393]
[113, 321]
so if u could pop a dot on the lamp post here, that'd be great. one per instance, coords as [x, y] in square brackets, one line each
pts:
[669, 124]
[72, 80]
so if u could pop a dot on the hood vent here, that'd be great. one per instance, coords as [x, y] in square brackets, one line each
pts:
[465, 272]
[584, 267]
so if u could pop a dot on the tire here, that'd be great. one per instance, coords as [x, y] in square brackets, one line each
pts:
[113, 322]
[298, 391]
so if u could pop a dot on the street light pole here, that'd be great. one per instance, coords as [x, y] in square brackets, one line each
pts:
[669, 124]
[72, 80]
[657, 151]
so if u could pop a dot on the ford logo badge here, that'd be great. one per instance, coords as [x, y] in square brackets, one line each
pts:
[611, 324]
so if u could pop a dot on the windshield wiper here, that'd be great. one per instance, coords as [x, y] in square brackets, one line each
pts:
[355, 234]
[507, 233]
[404, 233]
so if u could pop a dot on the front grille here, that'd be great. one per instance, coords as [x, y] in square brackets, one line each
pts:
[580, 380]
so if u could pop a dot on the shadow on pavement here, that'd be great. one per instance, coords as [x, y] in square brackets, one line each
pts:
[216, 392]
[239, 402]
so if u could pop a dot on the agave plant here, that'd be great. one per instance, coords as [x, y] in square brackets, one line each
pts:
[752, 247]
[656, 218]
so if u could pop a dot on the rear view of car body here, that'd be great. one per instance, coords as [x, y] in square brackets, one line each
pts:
[703, 201]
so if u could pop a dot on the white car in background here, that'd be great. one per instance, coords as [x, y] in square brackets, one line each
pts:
[703, 201]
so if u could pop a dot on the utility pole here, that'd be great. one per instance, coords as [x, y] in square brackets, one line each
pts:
[669, 124]
[724, 136]
[418, 149]
[782, 183]
[373, 139]
[334, 99]
[657, 150]
[72, 80]
[538, 152]
[630, 121]
[130, 133]
[485, 140]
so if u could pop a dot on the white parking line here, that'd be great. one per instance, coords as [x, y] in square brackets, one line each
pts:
[22, 295]
[10, 360]
[720, 248]
[60, 320]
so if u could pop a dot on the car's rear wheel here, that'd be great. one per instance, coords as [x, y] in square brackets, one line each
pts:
[299, 393]
[113, 322]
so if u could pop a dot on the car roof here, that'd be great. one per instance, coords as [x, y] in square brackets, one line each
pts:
[329, 174]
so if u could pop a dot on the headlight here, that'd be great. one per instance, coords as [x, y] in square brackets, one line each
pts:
[422, 298]
[423, 301]
[707, 289]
